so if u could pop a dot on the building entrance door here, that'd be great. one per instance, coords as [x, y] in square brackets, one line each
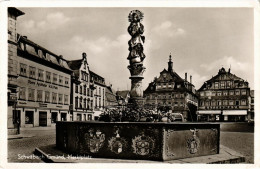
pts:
[42, 118]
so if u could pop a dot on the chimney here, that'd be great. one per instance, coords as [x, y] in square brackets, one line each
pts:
[190, 79]
[185, 76]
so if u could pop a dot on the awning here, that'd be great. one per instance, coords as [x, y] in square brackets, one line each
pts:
[209, 112]
[234, 112]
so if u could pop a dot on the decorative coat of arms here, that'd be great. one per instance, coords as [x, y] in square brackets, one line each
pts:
[95, 140]
[193, 143]
[117, 144]
[143, 145]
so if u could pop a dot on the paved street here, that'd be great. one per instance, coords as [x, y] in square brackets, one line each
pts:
[230, 137]
[26, 146]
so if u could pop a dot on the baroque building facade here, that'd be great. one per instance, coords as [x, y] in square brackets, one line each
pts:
[82, 89]
[170, 93]
[224, 97]
[99, 93]
[44, 85]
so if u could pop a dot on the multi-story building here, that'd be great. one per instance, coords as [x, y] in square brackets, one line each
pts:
[99, 92]
[225, 97]
[13, 118]
[41, 80]
[44, 85]
[81, 90]
[170, 93]
[110, 99]
[251, 113]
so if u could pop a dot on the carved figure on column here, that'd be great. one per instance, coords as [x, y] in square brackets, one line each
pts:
[136, 55]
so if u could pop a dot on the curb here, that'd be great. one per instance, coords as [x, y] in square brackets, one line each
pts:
[43, 155]
[19, 137]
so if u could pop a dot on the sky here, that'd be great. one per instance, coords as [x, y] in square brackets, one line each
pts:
[200, 40]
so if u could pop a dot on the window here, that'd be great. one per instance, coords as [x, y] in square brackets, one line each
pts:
[228, 84]
[29, 117]
[48, 76]
[237, 92]
[84, 105]
[243, 102]
[222, 84]
[31, 94]
[175, 103]
[76, 102]
[207, 103]
[54, 97]
[201, 93]
[66, 81]
[47, 96]
[207, 93]
[219, 93]
[213, 103]
[76, 88]
[231, 92]
[91, 93]
[164, 85]
[80, 89]
[60, 98]
[231, 102]
[219, 103]
[216, 85]
[23, 68]
[53, 117]
[85, 90]
[99, 91]
[66, 99]
[61, 80]
[22, 93]
[32, 71]
[213, 93]
[237, 102]
[40, 74]
[88, 92]
[243, 92]
[80, 102]
[225, 102]
[55, 78]
[201, 103]
[225, 93]
[39, 95]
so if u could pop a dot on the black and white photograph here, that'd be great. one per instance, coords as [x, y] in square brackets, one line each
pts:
[130, 84]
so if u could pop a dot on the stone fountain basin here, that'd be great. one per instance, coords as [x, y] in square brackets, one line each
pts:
[138, 140]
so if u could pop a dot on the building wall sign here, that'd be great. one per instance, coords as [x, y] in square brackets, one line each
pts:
[210, 112]
[234, 112]
[42, 84]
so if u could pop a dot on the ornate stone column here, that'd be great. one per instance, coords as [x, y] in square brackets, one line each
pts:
[136, 55]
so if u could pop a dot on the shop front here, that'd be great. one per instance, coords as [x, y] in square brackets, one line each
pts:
[209, 115]
[34, 114]
[235, 115]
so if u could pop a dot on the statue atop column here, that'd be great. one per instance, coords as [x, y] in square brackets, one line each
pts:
[136, 55]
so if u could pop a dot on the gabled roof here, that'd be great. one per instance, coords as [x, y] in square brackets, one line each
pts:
[75, 64]
[32, 48]
[217, 77]
[123, 93]
[110, 96]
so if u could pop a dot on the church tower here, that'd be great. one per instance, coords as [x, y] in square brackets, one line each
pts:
[170, 64]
